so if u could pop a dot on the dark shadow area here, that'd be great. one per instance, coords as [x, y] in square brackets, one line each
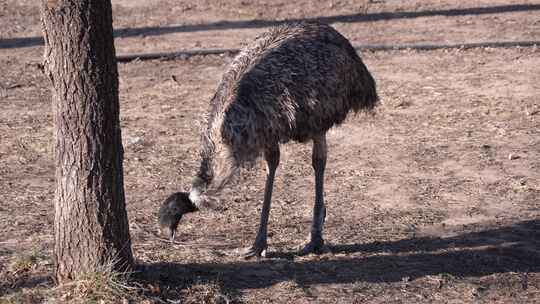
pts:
[514, 248]
[508, 249]
[523, 234]
[227, 25]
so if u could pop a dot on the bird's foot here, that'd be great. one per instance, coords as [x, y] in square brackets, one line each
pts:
[257, 250]
[315, 246]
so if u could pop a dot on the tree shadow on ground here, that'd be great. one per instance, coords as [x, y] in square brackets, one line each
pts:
[514, 248]
[262, 23]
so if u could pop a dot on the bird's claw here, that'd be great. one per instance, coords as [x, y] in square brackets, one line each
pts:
[254, 251]
[315, 246]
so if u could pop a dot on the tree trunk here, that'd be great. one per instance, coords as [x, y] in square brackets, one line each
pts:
[91, 225]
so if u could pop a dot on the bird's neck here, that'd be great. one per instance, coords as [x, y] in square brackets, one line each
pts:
[195, 196]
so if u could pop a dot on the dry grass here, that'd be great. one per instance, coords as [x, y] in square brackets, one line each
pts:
[105, 285]
[21, 276]
[205, 292]
[28, 279]
[24, 282]
[25, 263]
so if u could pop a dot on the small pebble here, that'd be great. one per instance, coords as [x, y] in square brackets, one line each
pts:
[512, 156]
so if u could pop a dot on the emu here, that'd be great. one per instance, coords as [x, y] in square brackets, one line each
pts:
[294, 82]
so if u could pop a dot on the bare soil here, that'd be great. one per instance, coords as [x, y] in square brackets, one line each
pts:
[434, 199]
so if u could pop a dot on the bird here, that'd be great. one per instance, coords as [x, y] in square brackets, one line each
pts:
[292, 83]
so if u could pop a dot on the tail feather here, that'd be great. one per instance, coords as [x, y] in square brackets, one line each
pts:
[369, 98]
[365, 92]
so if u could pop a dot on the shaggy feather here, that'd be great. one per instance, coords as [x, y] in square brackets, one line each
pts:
[293, 82]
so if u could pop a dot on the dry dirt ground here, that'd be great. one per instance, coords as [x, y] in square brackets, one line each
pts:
[434, 199]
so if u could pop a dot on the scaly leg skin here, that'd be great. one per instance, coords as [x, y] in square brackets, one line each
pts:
[316, 243]
[259, 246]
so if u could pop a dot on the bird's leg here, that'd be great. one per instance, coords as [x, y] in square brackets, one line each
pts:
[316, 243]
[258, 249]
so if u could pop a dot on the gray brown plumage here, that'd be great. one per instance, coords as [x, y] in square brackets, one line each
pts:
[294, 82]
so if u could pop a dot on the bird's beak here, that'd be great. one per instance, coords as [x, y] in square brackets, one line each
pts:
[168, 233]
[172, 235]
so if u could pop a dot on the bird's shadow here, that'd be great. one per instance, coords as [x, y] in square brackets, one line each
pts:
[514, 248]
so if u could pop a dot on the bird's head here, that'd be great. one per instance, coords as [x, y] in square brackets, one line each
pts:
[172, 210]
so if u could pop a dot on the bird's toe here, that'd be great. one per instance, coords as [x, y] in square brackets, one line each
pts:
[253, 252]
[314, 246]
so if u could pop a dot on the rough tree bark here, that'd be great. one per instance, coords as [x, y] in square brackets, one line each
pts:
[91, 225]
